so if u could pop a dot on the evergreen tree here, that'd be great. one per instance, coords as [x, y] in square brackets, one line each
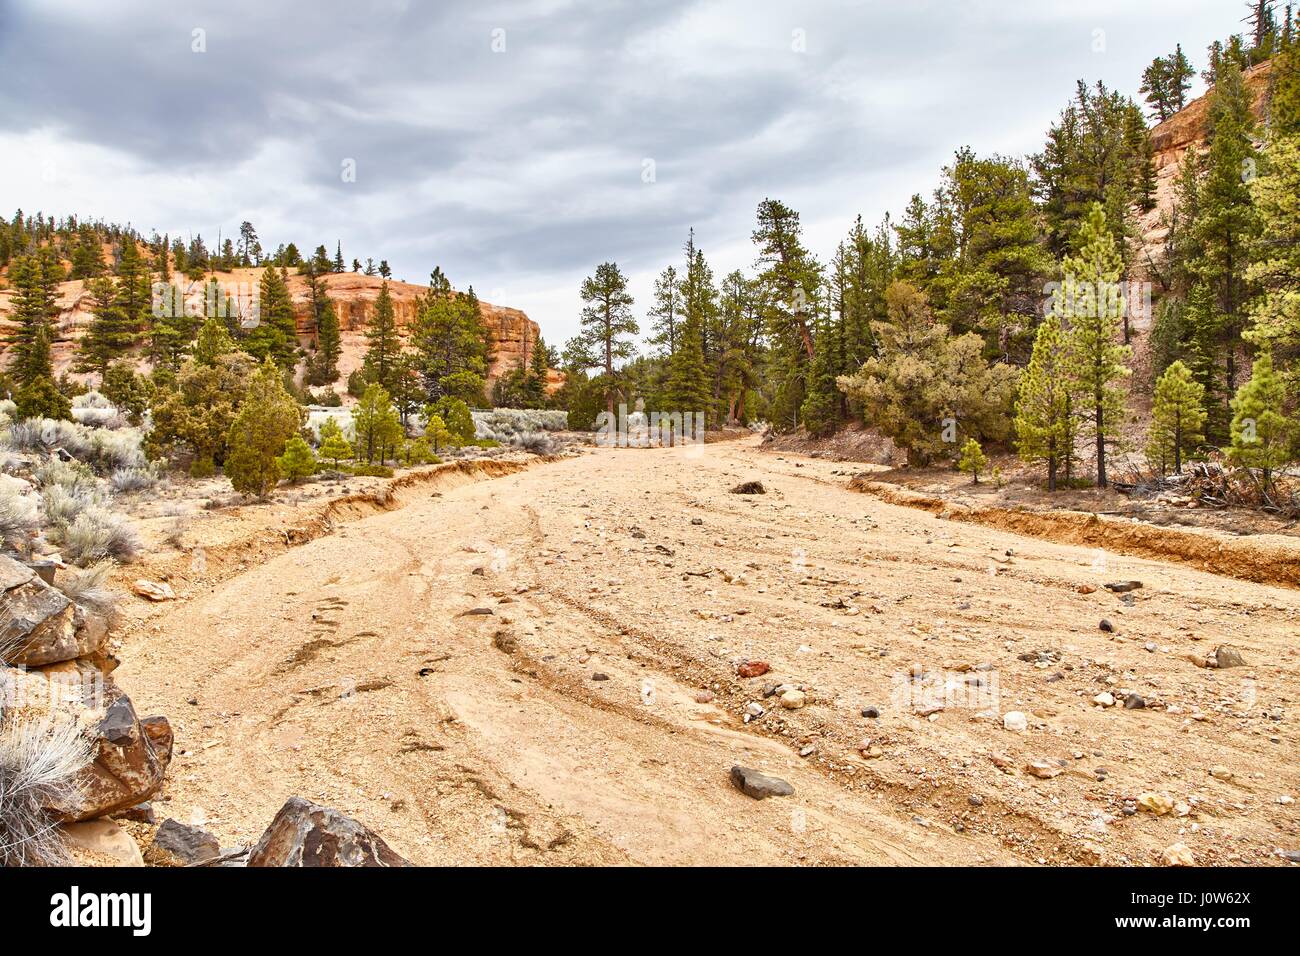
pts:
[1090, 158]
[922, 377]
[972, 460]
[35, 280]
[539, 364]
[456, 415]
[451, 342]
[605, 321]
[333, 445]
[1089, 299]
[1045, 429]
[436, 431]
[1224, 228]
[338, 256]
[110, 334]
[383, 343]
[1261, 434]
[1165, 84]
[789, 278]
[1177, 418]
[666, 313]
[276, 334]
[41, 398]
[298, 460]
[1275, 266]
[268, 417]
[376, 425]
[687, 388]
[996, 276]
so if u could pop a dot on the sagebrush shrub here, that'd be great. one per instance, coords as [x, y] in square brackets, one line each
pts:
[39, 766]
[96, 534]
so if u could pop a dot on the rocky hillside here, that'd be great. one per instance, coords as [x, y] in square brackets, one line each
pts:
[1171, 140]
[513, 334]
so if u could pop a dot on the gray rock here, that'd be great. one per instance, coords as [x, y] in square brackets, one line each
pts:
[178, 844]
[759, 785]
[1120, 587]
[305, 834]
[1106, 626]
[1228, 656]
[1134, 702]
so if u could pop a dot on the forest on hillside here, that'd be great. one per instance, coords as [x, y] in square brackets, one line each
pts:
[996, 313]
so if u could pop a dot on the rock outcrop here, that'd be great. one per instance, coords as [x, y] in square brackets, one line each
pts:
[513, 334]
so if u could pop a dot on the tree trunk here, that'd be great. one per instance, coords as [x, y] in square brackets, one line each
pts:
[1101, 448]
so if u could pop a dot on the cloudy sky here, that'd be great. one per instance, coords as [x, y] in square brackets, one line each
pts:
[519, 144]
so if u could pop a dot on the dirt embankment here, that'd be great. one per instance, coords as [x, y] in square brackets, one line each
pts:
[1265, 559]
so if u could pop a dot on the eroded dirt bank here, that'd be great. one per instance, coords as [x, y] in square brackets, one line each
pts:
[353, 670]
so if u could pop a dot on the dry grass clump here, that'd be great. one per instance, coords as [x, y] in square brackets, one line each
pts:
[39, 765]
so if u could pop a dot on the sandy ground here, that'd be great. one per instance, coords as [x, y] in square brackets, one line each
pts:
[348, 669]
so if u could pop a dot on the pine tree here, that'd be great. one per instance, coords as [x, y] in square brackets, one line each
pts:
[110, 334]
[535, 381]
[338, 256]
[1090, 158]
[164, 268]
[1177, 418]
[35, 281]
[41, 398]
[268, 417]
[1089, 300]
[334, 446]
[383, 344]
[666, 313]
[605, 321]
[972, 460]
[298, 460]
[276, 334]
[687, 388]
[213, 342]
[376, 425]
[822, 404]
[1165, 84]
[789, 280]
[1261, 433]
[995, 280]
[1275, 266]
[451, 342]
[456, 415]
[437, 432]
[1225, 226]
[1045, 429]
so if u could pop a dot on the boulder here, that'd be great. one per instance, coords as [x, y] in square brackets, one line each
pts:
[1228, 656]
[749, 488]
[759, 785]
[100, 843]
[305, 834]
[130, 755]
[177, 844]
[41, 625]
